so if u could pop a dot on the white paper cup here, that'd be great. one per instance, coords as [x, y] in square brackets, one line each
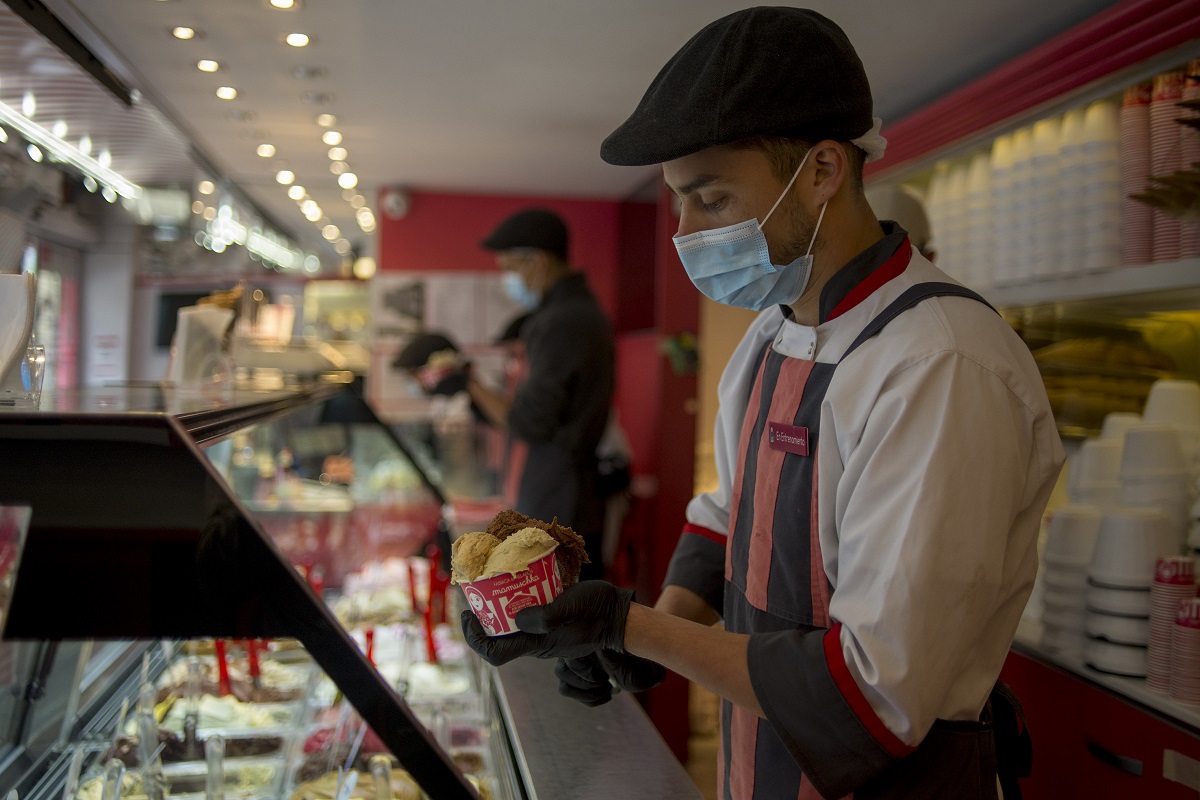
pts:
[1174, 402]
[1098, 461]
[1117, 423]
[1119, 602]
[496, 600]
[1151, 451]
[1128, 546]
[1121, 630]
[1072, 535]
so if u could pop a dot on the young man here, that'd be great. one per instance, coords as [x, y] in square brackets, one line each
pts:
[884, 447]
[560, 408]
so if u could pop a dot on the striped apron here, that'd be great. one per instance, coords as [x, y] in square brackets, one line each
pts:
[775, 575]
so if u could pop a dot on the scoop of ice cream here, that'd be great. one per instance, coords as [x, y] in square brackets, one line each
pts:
[469, 555]
[571, 553]
[515, 553]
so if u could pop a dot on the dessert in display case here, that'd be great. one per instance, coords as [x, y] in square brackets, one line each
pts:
[247, 600]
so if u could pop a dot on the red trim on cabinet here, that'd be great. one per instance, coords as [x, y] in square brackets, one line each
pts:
[1127, 33]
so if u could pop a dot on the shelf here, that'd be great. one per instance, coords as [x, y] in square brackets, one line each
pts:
[1166, 286]
[1027, 642]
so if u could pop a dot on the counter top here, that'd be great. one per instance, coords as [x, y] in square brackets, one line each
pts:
[566, 750]
[203, 417]
[1027, 643]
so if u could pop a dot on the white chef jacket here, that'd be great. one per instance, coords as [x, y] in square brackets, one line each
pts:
[937, 455]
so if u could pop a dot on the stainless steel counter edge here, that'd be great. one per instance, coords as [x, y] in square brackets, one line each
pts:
[566, 750]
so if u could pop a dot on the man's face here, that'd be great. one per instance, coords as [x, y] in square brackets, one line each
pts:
[522, 262]
[723, 186]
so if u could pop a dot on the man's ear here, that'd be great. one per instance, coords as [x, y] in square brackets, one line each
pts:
[833, 167]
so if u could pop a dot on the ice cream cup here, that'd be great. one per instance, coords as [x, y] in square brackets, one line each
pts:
[496, 600]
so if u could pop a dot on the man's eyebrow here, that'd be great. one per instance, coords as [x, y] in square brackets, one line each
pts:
[699, 183]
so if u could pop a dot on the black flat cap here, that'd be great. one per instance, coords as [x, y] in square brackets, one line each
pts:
[765, 71]
[534, 227]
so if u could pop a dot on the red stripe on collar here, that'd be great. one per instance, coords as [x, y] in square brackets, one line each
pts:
[891, 268]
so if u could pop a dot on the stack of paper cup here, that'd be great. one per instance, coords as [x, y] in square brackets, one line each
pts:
[1137, 231]
[1177, 403]
[1166, 158]
[951, 245]
[1094, 475]
[1185, 653]
[1022, 210]
[1189, 242]
[1100, 180]
[978, 250]
[1002, 209]
[1174, 582]
[1071, 195]
[1066, 556]
[1154, 475]
[1043, 197]
[1117, 423]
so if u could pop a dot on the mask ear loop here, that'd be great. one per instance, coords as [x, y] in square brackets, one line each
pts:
[787, 189]
[820, 217]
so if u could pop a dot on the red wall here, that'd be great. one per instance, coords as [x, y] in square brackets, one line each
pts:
[442, 232]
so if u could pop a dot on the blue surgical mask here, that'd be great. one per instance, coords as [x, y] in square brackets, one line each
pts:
[522, 295]
[732, 265]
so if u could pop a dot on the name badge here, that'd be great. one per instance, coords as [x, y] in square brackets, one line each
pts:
[788, 438]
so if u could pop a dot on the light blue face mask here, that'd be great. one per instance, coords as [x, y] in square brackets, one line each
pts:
[518, 292]
[732, 265]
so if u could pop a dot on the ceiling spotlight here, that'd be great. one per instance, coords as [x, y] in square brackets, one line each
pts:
[283, 4]
[205, 187]
[85, 144]
[34, 152]
[296, 192]
[364, 267]
[347, 180]
[337, 154]
[348, 194]
[338, 167]
[210, 213]
[28, 104]
[207, 65]
[314, 213]
[326, 120]
[59, 128]
[297, 39]
[309, 205]
[285, 176]
[198, 207]
[4, 137]
[109, 194]
[364, 214]
[90, 184]
[183, 32]
[266, 150]
[358, 201]
[331, 138]
[104, 159]
[342, 247]
[226, 92]
[331, 232]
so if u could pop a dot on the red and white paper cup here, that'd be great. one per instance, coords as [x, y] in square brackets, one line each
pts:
[496, 600]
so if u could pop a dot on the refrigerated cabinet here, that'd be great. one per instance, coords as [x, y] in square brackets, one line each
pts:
[178, 570]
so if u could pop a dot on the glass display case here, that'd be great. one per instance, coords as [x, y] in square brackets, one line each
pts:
[235, 599]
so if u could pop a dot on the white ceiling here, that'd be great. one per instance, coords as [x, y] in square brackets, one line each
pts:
[491, 96]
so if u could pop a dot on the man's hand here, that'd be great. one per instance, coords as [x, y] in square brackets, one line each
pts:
[589, 679]
[587, 617]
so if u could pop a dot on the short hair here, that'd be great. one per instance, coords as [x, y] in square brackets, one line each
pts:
[785, 155]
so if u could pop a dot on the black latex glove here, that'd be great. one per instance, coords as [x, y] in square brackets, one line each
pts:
[587, 679]
[453, 383]
[586, 617]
